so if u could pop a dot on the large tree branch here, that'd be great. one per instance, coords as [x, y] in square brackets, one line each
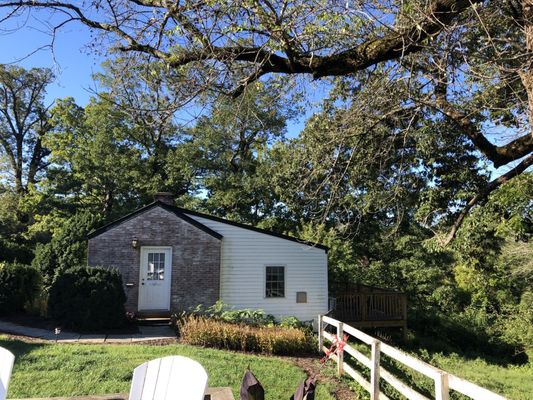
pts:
[438, 15]
[483, 194]
[499, 155]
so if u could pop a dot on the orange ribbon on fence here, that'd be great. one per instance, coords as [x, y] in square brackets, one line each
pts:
[337, 347]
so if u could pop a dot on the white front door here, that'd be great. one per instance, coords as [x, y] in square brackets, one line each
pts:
[154, 285]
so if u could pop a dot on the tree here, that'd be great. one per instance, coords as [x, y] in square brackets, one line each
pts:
[469, 60]
[148, 97]
[226, 149]
[92, 160]
[68, 247]
[23, 126]
[24, 123]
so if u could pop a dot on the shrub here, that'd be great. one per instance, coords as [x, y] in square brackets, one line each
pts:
[68, 247]
[88, 298]
[19, 285]
[227, 313]
[291, 322]
[11, 251]
[204, 331]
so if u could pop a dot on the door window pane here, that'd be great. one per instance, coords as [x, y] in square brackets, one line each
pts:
[156, 267]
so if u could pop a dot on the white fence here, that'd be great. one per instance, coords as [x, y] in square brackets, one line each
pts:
[444, 382]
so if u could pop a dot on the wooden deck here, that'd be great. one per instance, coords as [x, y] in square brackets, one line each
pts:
[371, 307]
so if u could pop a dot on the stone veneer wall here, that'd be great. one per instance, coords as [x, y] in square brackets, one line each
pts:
[195, 256]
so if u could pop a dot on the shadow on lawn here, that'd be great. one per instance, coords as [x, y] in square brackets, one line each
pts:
[18, 347]
[438, 335]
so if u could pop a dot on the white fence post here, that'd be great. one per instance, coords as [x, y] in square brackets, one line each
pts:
[442, 389]
[442, 380]
[374, 370]
[340, 355]
[320, 334]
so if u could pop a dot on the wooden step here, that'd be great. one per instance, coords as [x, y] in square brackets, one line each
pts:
[153, 321]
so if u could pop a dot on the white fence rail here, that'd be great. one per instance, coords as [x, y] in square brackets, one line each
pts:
[444, 382]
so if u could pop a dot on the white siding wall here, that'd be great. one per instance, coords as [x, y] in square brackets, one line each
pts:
[246, 253]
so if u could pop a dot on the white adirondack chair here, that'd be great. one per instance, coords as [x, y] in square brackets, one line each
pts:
[7, 359]
[169, 378]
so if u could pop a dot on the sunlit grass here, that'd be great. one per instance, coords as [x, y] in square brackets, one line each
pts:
[514, 382]
[47, 370]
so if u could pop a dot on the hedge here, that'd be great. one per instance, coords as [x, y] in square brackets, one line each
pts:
[19, 285]
[88, 298]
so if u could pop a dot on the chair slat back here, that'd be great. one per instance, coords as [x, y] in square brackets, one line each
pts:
[169, 378]
[7, 359]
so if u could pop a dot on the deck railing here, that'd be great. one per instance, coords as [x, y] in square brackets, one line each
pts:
[377, 308]
[443, 381]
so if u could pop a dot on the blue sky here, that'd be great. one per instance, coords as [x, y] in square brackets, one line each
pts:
[71, 61]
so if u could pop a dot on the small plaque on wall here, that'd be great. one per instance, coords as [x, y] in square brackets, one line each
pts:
[301, 297]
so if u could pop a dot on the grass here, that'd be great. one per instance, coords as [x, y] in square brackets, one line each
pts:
[511, 381]
[487, 365]
[48, 370]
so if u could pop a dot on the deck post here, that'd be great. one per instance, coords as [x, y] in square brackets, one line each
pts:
[442, 389]
[340, 355]
[374, 370]
[364, 306]
[320, 334]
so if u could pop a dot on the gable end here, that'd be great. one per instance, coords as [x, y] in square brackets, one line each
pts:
[164, 206]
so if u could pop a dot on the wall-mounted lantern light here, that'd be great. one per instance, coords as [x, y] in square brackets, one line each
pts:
[134, 242]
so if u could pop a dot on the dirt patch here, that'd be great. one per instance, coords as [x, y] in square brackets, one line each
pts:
[312, 367]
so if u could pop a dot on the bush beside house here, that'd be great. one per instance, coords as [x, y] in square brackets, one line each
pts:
[67, 248]
[88, 298]
[19, 285]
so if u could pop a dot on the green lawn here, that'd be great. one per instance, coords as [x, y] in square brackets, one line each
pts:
[46, 370]
[514, 382]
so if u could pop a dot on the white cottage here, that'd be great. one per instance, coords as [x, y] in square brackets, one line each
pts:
[173, 259]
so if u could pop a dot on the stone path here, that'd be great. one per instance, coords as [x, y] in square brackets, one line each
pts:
[146, 333]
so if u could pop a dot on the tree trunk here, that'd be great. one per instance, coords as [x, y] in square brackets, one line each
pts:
[108, 204]
[526, 75]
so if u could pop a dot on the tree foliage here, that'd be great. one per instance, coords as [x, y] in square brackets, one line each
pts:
[227, 147]
[23, 123]
[68, 246]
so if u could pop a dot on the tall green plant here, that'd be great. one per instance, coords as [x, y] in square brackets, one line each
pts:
[19, 285]
[67, 248]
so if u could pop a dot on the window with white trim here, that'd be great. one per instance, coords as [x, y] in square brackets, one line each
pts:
[275, 281]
